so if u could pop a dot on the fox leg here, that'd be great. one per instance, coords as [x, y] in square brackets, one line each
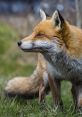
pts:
[41, 92]
[77, 95]
[55, 87]
[58, 84]
[74, 94]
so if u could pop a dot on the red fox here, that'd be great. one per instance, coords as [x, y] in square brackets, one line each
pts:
[61, 45]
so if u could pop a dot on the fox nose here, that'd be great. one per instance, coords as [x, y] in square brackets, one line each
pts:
[19, 43]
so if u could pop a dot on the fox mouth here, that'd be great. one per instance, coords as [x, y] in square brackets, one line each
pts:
[32, 50]
[35, 49]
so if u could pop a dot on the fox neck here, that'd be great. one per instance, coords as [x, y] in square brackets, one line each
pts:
[71, 36]
[56, 58]
[60, 62]
[65, 33]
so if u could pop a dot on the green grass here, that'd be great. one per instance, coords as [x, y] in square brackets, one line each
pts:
[9, 67]
[17, 107]
[10, 54]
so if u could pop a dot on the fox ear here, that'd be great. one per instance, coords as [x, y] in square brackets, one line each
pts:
[43, 15]
[57, 19]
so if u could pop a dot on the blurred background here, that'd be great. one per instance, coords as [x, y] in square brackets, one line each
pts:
[17, 19]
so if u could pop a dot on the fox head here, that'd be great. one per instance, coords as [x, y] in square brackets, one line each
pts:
[47, 36]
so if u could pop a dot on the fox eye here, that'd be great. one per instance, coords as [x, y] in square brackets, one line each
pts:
[39, 34]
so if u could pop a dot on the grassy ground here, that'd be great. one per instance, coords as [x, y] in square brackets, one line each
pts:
[9, 67]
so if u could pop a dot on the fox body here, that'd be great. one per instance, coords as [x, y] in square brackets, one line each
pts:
[60, 43]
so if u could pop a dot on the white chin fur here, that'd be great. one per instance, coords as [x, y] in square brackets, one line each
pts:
[41, 43]
[26, 45]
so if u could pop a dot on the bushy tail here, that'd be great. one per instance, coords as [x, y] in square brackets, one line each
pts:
[28, 87]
